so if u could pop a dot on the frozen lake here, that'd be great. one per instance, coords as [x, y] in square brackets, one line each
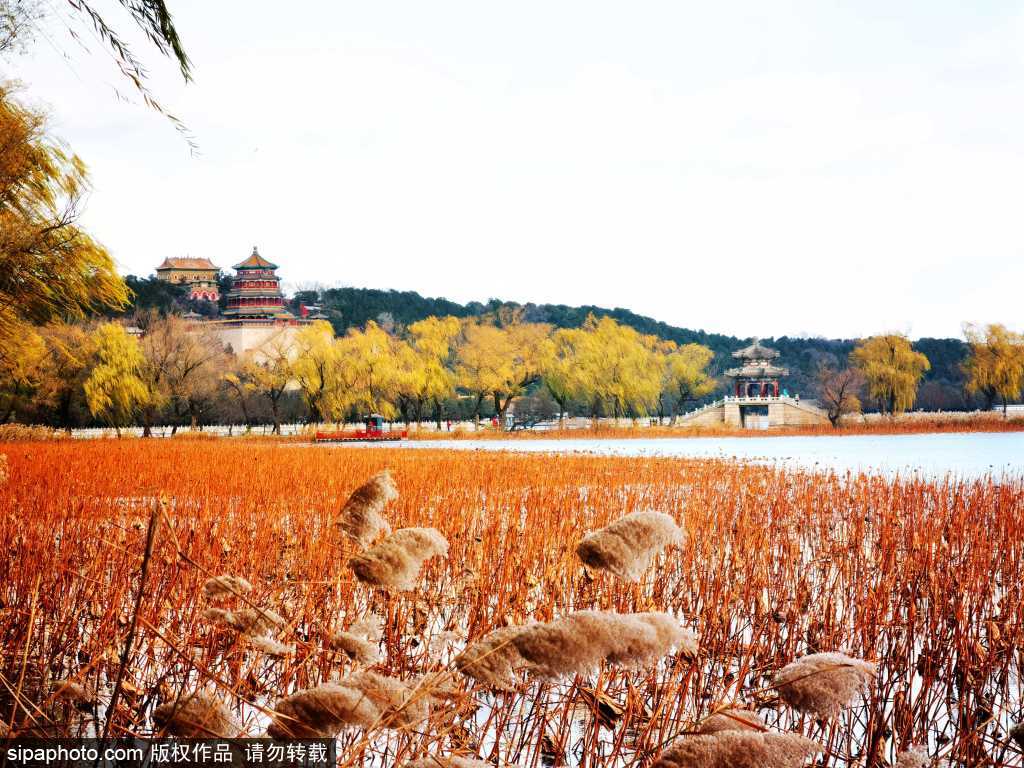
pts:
[966, 455]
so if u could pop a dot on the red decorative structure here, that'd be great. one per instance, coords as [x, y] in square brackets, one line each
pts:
[373, 433]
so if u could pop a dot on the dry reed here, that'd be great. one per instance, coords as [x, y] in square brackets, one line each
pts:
[911, 571]
[738, 749]
[627, 546]
[225, 587]
[823, 683]
[361, 519]
[452, 761]
[197, 716]
[360, 642]
[247, 621]
[365, 699]
[1017, 734]
[575, 644]
[395, 562]
[731, 720]
[913, 758]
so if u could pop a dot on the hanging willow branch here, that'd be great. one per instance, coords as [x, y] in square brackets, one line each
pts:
[154, 19]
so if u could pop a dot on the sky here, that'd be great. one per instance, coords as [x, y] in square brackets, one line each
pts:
[788, 168]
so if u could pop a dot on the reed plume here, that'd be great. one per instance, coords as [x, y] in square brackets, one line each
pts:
[360, 519]
[4, 472]
[493, 658]
[738, 749]
[452, 761]
[224, 587]
[627, 546]
[365, 699]
[731, 720]
[575, 644]
[361, 642]
[823, 683]
[248, 621]
[395, 562]
[321, 712]
[270, 646]
[196, 716]
[913, 758]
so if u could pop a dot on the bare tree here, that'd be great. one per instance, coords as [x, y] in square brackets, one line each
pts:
[839, 391]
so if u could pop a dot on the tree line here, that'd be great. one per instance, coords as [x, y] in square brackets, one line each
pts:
[174, 371]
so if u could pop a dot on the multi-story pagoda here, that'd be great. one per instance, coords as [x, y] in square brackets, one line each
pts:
[256, 292]
[757, 375]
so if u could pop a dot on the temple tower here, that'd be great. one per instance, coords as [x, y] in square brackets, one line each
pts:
[256, 291]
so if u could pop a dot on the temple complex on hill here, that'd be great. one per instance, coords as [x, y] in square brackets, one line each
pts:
[755, 402]
[255, 311]
[200, 275]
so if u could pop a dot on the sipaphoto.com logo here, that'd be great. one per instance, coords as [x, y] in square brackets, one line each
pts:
[59, 753]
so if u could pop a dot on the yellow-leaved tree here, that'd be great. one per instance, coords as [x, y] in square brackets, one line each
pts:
[49, 267]
[686, 375]
[69, 350]
[995, 363]
[373, 359]
[115, 390]
[892, 369]
[620, 368]
[429, 379]
[22, 369]
[563, 377]
[482, 361]
[501, 362]
[318, 370]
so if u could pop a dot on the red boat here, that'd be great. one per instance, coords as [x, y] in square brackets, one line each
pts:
[374, 433]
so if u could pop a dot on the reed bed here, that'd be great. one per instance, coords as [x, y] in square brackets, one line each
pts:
[908, 424]
[110, 620]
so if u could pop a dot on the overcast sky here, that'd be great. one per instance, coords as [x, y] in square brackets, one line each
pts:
[815, 167]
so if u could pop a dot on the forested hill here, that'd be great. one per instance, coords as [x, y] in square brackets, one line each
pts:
[942, 389]
[348, 307]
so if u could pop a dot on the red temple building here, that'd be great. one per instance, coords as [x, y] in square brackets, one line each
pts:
[256, 292]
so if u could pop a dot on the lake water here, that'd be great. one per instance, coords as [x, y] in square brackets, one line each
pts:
[966, 455]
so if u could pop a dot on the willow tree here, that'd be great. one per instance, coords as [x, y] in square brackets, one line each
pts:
[995, 363]
[620, 369]
[892, 370]
[22, 370]
[115, 390]
[562, 374]
[69, 350]
[373, 359]
[429, 378]
[686, 375]
[49, 267]
[501, 362]
[316, 367]
[483, 360]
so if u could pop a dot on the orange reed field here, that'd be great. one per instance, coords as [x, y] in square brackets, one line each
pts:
[922, 578]
[904, 426]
